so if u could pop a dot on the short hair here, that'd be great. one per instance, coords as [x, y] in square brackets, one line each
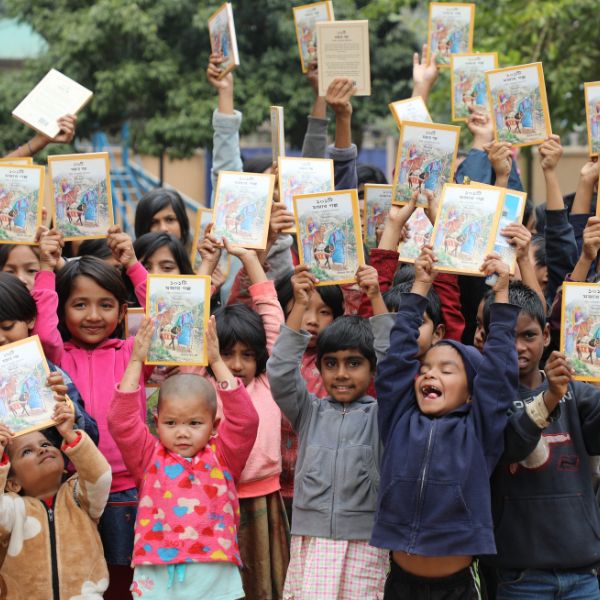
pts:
[538, 243]
[183, 385]
[146, 245]
[239, 323]
[524, 297]
[346, 333]
[433, 310]
[529, 211]
[405, 272]
[98, 248]
[369, 174]
[153, 202]
[17, 303]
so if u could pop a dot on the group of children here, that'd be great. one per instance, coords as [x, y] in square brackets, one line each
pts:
[413, 429]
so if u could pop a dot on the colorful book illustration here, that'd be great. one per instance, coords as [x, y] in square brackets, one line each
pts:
[465, 227]
[343, 51]
[377, 203]
[329, 235]
[411, 109]
[450, 30]
[20, 161]
[179, 306]
[425, 161]
[519, 105]
[133, 319]
[82, 194]
[221, 29]
[26, 402]
[204, 217]
[305, 19]
[419, 229]
[55, 96]
[468, 84]
[21, 202]
[277, 132]
[592, 111]
[580, 329]
[243, 207]
[513, 208]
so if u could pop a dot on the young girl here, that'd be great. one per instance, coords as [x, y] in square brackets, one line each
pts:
[186, 547]
[86, 301]
[162, 252]
[20, 260]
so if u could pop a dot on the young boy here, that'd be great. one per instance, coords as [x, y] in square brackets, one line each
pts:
[546, 513]
[48, 529]
[441, 421]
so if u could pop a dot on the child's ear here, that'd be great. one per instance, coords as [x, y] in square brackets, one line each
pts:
[438, 333]
[30, 324]
[546, 335]
[12, 485]
[122, 312]
[216, 424]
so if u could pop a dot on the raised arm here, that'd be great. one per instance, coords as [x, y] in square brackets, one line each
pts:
[425, 74]
[39, 141]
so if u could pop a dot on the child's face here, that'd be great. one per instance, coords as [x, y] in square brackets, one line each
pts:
[428, 335]
[161, 262]
[241, 360]
[317, 316]
[36, 465]
[185, 424]
[531, 341]
[166, 220]
[346, 374]
[14, 331]
[23, 263]
[441, 385]
[91, 312]
[479, 339]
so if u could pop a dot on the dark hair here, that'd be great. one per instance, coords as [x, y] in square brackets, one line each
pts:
[257, 163]
[94, 268]
[98, 248]
[17, 303]
[433, 310]
[153, 202]
[331, 295]
[538, 242]
[369, 174]
[529, 210]
[405, 272]
[239, 323]
[146, 245]
[345, 333]
[6, 249]
[522, 296]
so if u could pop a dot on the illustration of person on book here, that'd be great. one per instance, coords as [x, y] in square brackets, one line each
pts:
[247, 217]
[337, 242]
[439, 38]
[308, 239]
[455, 40]
[469, 235]
[432, 172]
[462, 85]
[480, 93]
[19, 210]
[185, 324]
[526, 109]
[30, 394]
[63, 198]
[89, 202]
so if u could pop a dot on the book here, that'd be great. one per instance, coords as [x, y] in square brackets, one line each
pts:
[419, 230]
[134, 315]
[343, 51]
[425, 161]
[376, 206]
[277, 132]
[21, 161]
[55, 96]
[179, 306]
[242, 208]
[580, 329]
[513, 208]
[450, 30]
[26, 402]
[329, 235]
[411, 109]
[519, 105]
[81, 191]
[204, 217]
[465, 227]
[305, 19]
[221, 29]
[21, 202]
[468, 84]
[592, 111]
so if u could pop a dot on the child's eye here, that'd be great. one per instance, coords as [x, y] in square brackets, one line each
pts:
[354, 363]
[107, 305]
[7, 326]
[26, 452]
[196, 423]
[249, 356]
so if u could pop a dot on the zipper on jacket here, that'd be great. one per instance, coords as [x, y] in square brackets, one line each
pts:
[91, 385]
[337, 448]
[53, 557]
[422, 478]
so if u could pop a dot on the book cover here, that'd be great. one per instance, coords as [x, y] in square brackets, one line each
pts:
[179, 306]
[411, 109]
[513, 208]
[329, 235]
[465, 227]
[468, 84]
[450, 30]
[134, 315]
[419, 231]
[343, 51]
[277, 132]
[55, 96]
[592, 111]
[204, 217]
[82, 195]
[305, 19]
[580, 329]
[21, 202]
[519, 105]
[376, 206]
[425, 161]
[221, 29]
[20, 161]
[242, 208]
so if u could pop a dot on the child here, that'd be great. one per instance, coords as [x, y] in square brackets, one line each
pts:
[186, 540]
[48, 529]
[339, 451]
[20, 260]
[444, 416]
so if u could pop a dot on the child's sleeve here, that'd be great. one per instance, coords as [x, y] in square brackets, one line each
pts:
[130, 432]
[8, 510]
[285, 378]
[139, 278]
[381, 326]
[226, 145]
[315, 138]
[448, 290]
[396, 373]
[477, 167]
[561, 250]
[46, 323]
[385, 263]
[266, 304]
[344, 167]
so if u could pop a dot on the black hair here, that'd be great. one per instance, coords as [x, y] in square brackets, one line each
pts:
[346, 333]
[525, 298]
[331, 295]
[369, 174]
[433, 310]
[6, 249]
[257, 163]
[405, 272]
[102, 273]
[239, 323]
[538, 242]
[146, 245]
[98, 248]
[528, 212]
[17, 303]
[153, 202]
